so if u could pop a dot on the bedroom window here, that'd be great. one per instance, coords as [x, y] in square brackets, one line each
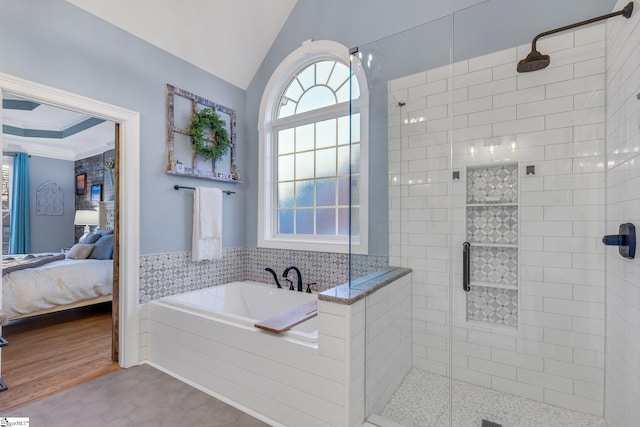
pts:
[311, 140]
[7, 162]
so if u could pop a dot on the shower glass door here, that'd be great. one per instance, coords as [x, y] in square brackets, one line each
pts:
[489, 185]
[527, 212]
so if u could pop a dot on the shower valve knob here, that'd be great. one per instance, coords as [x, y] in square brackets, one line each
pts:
[625, 240]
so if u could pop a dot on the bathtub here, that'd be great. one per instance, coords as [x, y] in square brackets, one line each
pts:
[246, 303]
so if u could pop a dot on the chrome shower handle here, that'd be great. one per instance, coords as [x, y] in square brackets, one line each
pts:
[466, 266]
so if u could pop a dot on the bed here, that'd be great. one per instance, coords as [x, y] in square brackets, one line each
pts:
[37, 284]
[56, 286]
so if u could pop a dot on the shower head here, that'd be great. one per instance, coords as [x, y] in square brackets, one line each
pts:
[533, 62]
[536, 61]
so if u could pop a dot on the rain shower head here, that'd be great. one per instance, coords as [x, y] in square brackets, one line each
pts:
[533, 62]
[536, 61]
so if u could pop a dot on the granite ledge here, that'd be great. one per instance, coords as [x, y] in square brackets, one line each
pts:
[363, 286]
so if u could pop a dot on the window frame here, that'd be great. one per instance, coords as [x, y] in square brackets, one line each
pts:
[268, 125]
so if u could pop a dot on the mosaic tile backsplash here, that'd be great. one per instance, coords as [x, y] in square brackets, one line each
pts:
[494, 265]
[495, 184]
[494, 305]
[492, 224]
[173, 273]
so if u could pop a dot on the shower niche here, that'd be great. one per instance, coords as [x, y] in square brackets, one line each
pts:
[492, 231]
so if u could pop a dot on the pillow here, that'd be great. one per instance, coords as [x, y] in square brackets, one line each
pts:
[105, 232]
[103, 248]
[80, 251]
[91, 238]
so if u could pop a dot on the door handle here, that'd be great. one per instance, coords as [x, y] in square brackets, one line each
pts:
[466, 266]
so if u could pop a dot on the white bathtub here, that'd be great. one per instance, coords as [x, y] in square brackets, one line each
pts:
[246, 303]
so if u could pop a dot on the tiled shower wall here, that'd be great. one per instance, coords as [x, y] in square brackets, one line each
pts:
[553, 120]
[173, 273]
[623, 205]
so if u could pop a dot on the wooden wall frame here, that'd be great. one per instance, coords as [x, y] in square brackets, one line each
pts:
[172, 166]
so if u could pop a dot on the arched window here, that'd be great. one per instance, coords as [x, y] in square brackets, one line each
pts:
[312, 156]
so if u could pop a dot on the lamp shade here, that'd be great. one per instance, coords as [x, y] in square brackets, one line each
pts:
[86, 217]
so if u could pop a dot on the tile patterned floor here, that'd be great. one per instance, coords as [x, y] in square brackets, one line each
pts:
[422, 400]
[140, 396]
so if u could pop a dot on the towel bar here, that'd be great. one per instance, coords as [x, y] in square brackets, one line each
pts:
[178, 187]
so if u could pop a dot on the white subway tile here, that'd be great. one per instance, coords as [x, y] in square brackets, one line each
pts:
[577, 372]
[589, 391]
[573, 402]
[407, 82]
[471, 376]
[538, 348]
[574, 86]
[541, 379]
[517, 388]
[494, 87]
[495, 115]
[588, 358]
[507, 56]
[513, 358]
[574, 339]
[545, 107]
[492, 368]
[492, 339]
[427, 89]
[515, 97]
[589, 67]
[589, 34]
[574, 308]
[472, 106]
[546, 76]
[472, 78]
[577, 117]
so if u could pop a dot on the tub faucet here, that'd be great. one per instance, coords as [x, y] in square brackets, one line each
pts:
[286, 273]
[275, 277]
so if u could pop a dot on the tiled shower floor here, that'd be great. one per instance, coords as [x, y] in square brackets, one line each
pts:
[422, 400]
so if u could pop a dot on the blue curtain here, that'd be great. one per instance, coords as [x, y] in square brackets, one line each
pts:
[19, 236]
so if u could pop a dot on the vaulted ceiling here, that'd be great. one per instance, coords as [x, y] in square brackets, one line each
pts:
[227, 38]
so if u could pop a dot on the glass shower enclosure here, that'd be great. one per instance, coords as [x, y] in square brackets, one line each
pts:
[489, 185]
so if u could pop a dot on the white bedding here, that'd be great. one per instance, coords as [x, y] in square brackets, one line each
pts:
[57, 283]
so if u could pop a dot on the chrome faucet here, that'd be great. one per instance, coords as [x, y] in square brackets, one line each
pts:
[286, 273]
[275, 276]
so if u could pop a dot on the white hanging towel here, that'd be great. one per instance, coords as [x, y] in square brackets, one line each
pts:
[207, 224]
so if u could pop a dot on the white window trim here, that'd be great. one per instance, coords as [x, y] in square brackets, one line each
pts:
[308, 53]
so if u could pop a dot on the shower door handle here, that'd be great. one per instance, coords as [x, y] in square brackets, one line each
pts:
[466, 266]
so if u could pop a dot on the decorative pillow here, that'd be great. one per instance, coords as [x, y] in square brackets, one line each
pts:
[91, 238]
[105, 232]
[103, 248]
[80, 251]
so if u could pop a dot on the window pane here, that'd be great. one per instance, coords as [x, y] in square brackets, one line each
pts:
[326, 225]
[285, 168]
[285, 222]
[339, 76]
[323, 70]
[304, 137]
[343, 191]
[326, 162]
[304, 165]
[343, 221]
[326, 192]
[294, 90]
[343, 130]
[287, 108]
[304, 193]
[316, 97]
[304, 221]
[307, 77]
[342, 94]
[285, 195]
[343, 160]
[285, 141]
[326, 133]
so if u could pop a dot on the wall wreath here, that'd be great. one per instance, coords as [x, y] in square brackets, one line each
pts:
[201, 122]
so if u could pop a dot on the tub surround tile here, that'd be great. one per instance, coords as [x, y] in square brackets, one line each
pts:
[173, 273]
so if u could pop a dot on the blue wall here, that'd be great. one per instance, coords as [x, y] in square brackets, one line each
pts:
[49, 233]
[57, 44]
[54, 43]
[479, 27]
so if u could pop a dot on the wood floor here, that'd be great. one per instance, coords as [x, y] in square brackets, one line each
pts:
[55, 352]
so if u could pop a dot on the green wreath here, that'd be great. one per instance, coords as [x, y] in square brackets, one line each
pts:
[200, 123]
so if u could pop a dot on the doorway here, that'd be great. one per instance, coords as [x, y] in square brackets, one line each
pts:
[128, 204]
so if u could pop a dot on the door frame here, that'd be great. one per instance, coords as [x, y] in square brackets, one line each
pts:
[128, 196]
